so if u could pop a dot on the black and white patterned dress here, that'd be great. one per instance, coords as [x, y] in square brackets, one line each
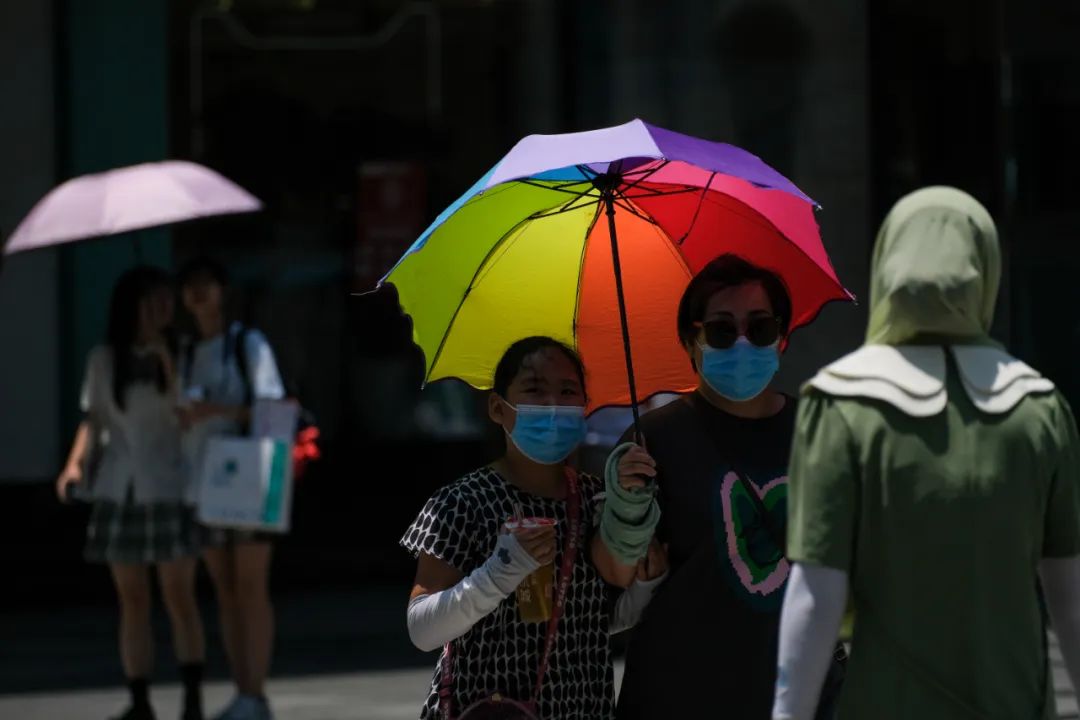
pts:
[460, 525]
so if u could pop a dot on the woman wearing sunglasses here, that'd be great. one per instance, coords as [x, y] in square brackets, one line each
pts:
[706, 646]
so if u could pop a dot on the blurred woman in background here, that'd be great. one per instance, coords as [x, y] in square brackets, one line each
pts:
[126, 461]
[223, 371]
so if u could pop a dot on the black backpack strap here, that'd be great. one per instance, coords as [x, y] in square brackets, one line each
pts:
[239, 340]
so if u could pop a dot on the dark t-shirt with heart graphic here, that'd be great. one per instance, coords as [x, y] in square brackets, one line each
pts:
[706, 646]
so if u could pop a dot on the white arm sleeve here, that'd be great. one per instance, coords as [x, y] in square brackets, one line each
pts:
[436, 619]
[632, 603]
[814, 606]
[1061, 588]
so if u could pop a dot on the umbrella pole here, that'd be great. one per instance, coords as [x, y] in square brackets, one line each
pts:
[609, 202]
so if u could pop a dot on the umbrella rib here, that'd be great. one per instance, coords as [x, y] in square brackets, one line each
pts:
[759, 219]
[571, 183]
[587, 171]
[753, 215]
[568, 207]
[488, 193]
[581, 274]
[503, 187]
[645, 175]
[697, 210]
[650, 192]
[557, 188]
[469, 288]
[628, 207]
[642, 170]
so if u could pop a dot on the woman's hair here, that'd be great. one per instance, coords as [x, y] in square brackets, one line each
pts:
[513, 361]
[130, 290]
[203, 268]
[724, 272]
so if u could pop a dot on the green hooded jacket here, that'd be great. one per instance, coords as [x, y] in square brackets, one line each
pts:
[937, 471]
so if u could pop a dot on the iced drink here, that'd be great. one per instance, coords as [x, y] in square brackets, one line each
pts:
[536, 593]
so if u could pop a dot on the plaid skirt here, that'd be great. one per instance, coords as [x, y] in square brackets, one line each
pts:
[131, 534]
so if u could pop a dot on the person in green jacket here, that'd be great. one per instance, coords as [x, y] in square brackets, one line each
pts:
[934, 480]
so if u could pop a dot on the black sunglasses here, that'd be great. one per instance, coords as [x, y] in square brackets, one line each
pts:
[722, 333]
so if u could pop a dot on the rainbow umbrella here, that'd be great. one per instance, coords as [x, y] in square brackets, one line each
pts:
[591, 238]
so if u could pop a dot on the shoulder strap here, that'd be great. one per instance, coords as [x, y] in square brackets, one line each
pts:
[239, 342]
[446, 683]
[566, 574]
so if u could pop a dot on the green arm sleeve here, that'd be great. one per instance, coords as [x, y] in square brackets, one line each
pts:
[630, 517]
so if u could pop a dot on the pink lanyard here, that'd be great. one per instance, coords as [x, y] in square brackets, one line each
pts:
[566, 574]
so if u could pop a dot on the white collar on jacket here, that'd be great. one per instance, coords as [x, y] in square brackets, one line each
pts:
[911, 378]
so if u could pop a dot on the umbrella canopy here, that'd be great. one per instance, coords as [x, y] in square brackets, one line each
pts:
[125, 199]
[531, 249]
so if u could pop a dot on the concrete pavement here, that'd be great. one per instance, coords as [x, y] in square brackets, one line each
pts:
[342, 655]
[372, 695]
[1064, 693]
[389, 695]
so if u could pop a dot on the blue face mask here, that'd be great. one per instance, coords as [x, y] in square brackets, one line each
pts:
[547, 434]
[740, 372]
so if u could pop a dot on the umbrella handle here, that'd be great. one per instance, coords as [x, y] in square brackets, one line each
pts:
[609, 202]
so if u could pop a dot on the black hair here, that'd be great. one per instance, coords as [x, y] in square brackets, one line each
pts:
[202, 268]
[729, 271]
[130, 290]
[513, 361]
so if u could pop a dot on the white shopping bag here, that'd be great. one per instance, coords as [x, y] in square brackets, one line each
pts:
[246, 483]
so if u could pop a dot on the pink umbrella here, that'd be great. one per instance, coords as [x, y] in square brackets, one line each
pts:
[130, 198]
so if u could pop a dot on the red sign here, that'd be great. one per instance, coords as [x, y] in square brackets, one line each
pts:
[391, 214]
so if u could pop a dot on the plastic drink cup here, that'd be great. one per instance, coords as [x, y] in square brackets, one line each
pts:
[536, 593]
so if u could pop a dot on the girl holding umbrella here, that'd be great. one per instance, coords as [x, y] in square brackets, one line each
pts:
[472, 595]
[127, 448]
